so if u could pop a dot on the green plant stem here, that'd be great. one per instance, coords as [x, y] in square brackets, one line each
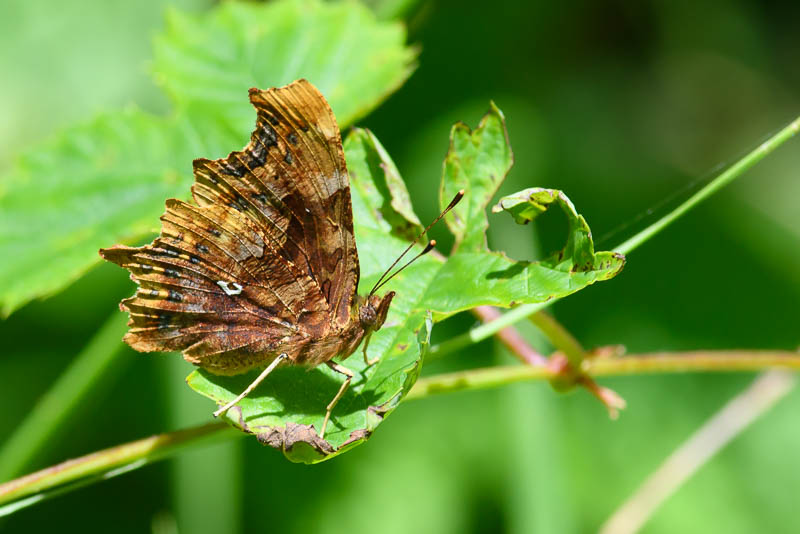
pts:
[104, 464]
[561, 339]
[489, 329]
[33, 488]
[486, 330]
[733, 172]
[62, 398]
[510, 337]
[697, 361]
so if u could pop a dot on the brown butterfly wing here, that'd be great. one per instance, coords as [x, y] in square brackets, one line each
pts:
[292, 176]
[266, 262]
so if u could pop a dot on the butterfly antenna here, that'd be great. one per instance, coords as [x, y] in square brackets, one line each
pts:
[428, 248]
[383, 279]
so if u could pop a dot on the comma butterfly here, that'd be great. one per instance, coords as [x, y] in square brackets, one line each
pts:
[263, 268]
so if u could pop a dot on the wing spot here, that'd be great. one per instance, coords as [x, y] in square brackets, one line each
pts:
[215, 231]
[194, 259]
[292, 138]
[232, 169]
[172, 273]
[288, 158]
[267, 136]
[258, 154]
[228, 291]
[174, 296]
[202, 248]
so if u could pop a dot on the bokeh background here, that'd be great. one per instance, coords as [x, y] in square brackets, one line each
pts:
[626, 106]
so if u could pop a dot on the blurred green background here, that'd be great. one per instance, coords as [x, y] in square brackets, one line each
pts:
[621, 105]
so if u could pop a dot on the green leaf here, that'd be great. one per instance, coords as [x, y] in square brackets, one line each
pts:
[209, 61]
[105, 182]
[288, 407]
[477, 162]
[93, 185]
[368, 158]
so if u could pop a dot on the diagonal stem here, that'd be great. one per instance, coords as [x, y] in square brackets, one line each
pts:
[560, 337]
[726, 177]
[511, 338]
[102, 465]
[708, 440]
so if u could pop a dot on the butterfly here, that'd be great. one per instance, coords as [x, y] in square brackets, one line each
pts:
[262, 269]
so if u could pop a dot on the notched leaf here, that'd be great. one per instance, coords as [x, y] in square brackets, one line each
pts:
[473, 275]
[578, 254]
[477, 162]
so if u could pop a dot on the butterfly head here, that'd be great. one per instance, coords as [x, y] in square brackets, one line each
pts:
[373, 310]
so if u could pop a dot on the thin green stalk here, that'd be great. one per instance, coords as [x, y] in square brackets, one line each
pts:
[693, 362]
[62, 398]
[705, 443]
[102, 465]
[698, 361]
[489, 329]
[486, 330]
[735, 170]
[561, 339]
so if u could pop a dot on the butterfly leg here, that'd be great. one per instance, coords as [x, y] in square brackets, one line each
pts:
[367, 361]
[252, 386]
[349, 374]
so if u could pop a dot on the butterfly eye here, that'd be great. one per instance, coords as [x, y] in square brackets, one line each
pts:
[367, 315]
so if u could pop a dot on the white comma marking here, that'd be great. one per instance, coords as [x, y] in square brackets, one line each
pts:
[228, 291]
